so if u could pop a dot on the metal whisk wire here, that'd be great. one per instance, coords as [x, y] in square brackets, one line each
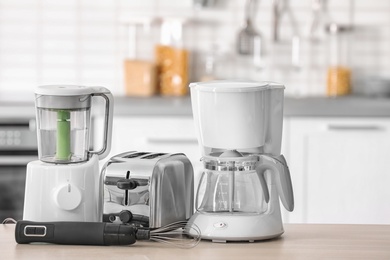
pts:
[177, 234]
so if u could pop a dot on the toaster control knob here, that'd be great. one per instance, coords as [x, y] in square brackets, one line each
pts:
[125, 216]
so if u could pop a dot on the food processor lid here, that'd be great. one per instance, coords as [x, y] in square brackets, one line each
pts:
[234, 86]
[63, 97]
[63, 90]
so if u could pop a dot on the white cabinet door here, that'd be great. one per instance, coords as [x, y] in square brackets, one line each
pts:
[340, 169]
[171, 134]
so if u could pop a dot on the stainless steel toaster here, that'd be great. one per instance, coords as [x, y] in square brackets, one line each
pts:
[148, 189]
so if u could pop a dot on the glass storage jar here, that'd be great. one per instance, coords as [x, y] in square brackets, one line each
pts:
[339, 71]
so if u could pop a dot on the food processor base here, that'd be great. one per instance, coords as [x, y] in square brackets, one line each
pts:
[63, 192]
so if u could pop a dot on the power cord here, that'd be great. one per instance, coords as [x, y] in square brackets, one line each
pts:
[9, 221]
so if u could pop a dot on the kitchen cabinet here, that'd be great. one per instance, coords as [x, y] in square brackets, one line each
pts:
[340, 169]
[339, 165]
[171, 134]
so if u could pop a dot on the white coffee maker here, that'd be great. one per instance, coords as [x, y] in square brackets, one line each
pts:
[64, 184]
[239, 128]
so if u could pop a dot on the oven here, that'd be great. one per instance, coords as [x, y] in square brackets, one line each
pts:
[18, 146]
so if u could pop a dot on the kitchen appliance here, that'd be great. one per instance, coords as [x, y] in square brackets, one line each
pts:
[239, 128]
[18, 146]
[148, 189]
[64, 184]
[99, 233]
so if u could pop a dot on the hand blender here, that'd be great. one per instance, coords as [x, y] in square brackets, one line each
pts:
[64, 184]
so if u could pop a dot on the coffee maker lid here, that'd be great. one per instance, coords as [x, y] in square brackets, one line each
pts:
[234, 86]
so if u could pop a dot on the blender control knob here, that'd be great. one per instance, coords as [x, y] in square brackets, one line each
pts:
[67, 196]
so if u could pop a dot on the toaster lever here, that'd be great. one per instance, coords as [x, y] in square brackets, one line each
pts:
[130, 184]
[126, 184]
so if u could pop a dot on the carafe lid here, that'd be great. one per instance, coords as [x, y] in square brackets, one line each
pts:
[222, 162]
[230, 153]
[234, 86]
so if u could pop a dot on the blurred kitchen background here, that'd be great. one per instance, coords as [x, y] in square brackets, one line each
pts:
[337, 148]
[87, 41]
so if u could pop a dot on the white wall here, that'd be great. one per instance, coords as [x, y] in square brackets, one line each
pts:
[84, 41]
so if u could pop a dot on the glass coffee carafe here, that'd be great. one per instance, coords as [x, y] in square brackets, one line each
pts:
[232, 185]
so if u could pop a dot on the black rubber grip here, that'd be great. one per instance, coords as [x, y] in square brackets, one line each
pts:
[75, 233]
[126, 184]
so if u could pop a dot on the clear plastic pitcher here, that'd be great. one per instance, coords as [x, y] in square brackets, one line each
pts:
[63, 122]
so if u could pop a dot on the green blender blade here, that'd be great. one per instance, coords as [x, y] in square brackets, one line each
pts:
[63, 135]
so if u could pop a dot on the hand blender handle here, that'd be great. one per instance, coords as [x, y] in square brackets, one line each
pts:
[109, 109]
[74, 233]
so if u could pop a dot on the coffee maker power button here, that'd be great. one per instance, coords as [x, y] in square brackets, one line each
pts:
[220, 225]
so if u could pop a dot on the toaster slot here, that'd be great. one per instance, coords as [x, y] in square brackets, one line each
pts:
[135, 155]
[152, 156]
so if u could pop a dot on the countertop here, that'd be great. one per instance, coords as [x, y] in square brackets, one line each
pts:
[300, 241]
[348, 106]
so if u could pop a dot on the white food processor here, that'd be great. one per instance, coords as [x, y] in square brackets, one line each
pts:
[239, 129]
[64, 184]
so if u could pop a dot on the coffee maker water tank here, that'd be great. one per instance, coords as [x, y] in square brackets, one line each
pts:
[241, 115]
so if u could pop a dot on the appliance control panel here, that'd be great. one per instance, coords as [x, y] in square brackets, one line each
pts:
[18, 135]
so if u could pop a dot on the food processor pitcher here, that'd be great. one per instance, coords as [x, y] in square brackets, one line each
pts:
[63, 122]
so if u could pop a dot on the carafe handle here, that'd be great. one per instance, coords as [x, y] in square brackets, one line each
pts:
[278, 166]
[263, 183]
[108, 113]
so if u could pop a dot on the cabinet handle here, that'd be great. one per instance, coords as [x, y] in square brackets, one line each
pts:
[172, 140]
[355, 128]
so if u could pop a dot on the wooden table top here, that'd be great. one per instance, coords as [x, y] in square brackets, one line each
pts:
[300, 241]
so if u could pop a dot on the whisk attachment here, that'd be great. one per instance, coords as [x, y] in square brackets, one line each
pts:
[100, 233]
[177, 234]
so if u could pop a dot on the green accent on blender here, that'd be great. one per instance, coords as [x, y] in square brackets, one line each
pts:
[63, 135]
